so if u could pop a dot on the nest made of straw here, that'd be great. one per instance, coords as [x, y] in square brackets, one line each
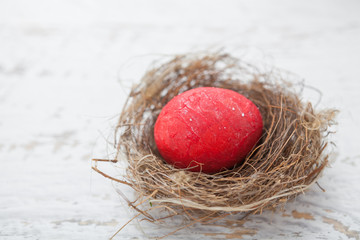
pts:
[288, 159]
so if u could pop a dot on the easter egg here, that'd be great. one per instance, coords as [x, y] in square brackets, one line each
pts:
[207, 129]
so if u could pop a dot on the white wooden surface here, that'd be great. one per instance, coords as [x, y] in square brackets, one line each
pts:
[60, 95]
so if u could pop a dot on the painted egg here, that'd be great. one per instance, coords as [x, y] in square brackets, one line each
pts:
[207, 129]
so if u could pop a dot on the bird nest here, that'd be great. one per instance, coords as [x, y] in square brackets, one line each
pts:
[288, 159]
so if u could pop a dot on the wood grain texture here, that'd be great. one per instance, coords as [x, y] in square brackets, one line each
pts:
[65, 70]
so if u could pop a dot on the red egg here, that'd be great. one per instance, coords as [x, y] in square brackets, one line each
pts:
[207, 129]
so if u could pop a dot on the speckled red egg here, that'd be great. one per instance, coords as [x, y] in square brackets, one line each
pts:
[207, 129]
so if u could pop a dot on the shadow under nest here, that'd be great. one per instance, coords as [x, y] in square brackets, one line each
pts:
[287, 160]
